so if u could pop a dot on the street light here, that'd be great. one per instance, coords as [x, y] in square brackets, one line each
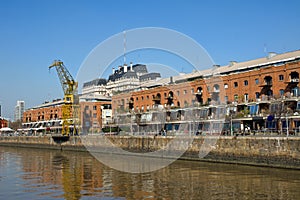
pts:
[287, 125]
[231, 128]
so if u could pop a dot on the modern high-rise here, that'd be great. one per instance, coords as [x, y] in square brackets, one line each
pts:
[19, 110]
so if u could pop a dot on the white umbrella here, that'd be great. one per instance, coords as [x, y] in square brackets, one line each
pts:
[6, 129]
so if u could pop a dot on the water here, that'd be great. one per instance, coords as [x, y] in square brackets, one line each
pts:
[46, 174]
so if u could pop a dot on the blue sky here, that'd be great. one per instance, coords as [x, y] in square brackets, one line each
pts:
[33, 33]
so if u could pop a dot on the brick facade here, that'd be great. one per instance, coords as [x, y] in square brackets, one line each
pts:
[3, 122]
[261, 83]
[91, 115]
[45, 113]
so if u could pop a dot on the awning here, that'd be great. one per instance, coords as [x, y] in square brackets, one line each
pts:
[6, 129]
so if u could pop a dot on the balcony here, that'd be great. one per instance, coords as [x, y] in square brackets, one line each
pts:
[198, 93]
[294, 80]
[266, 84]
[156, 98]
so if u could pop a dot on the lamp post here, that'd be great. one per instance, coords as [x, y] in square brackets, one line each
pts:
[231, 128]
[287, 125]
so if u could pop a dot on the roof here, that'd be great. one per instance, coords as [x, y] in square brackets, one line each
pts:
[49, 104]
[129, 74]
[94, 97]
[272, 59]
[139, 68]
[149, 76]
[95, 82]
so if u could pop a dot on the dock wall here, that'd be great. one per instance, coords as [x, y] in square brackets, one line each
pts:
[280, 152]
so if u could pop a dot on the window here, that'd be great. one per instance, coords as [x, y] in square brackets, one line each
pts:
[142, 97]
[192, 91]
[281, 92]
[295, 91]
[147, 97]
[235, 84]
[226, 99]
[184, 92]
[137, 99]
[95, 115]
[236, 97]
[165, 94]
[281, 77]
[216, 88]
[298, 106]
[225, 85]
[186, 104]
[257, 95]
[245, 82]
[94, 107]
[246, 97]
[178, 93]
[208, 88]
[256, 81]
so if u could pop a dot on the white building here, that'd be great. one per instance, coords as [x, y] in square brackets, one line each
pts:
[124, 79]
[128, 78]
[19, 110]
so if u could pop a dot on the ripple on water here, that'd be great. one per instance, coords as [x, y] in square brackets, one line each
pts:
[46, 174]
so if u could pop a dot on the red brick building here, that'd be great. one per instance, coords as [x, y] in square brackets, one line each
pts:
[3, 122]
[44, 112]
[95, 115]
[48, 116]
[263, 82]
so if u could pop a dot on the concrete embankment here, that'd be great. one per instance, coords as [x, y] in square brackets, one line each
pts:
[262, 151]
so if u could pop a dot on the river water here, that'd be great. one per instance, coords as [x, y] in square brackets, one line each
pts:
[51, 174]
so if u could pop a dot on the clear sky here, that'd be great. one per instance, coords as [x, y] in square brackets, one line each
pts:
[33, 33]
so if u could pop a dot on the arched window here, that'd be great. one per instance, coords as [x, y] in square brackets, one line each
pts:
[216, 88]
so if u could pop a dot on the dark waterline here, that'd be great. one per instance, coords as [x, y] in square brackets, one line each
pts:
[48, 174]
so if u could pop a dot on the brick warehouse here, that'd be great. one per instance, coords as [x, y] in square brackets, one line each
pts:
[260, 84]
[48, 116]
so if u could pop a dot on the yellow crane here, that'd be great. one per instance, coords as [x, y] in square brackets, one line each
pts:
[70, 108]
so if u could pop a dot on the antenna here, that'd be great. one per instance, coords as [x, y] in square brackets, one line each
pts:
[265, 48]
[124, 55]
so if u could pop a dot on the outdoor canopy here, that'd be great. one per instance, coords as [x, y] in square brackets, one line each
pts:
[6, 129]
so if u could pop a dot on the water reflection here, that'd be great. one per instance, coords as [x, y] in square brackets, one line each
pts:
[47, 174]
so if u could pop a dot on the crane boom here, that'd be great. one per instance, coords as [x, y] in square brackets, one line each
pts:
[67, 82]
[70, 106]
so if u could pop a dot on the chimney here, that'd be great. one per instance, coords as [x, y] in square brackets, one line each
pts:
[231, 63]
[271, 55]
[171, 80]
[113, 70]
[131, 68]
[125, 68]
[216, 66]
